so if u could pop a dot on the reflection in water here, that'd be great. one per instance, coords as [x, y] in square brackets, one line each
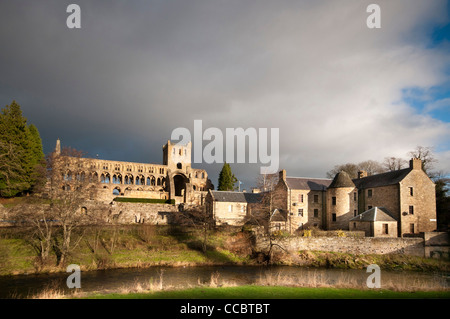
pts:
[115, 280]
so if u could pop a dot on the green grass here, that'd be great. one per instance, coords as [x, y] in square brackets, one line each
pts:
[276, 292]
[135, 246]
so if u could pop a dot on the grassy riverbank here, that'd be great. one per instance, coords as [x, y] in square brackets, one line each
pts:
[142, 246]
[268, 292]
[124, 247]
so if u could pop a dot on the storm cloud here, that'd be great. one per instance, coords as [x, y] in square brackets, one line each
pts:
[136, 70]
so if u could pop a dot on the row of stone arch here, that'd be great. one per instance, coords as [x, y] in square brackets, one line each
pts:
[117, 178]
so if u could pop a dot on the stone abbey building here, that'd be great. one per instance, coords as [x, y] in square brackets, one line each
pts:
[174, 179]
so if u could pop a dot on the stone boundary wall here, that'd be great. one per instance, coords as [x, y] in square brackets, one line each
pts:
[359, 246]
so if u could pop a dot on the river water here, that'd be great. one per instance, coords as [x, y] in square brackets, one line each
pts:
[116, 280]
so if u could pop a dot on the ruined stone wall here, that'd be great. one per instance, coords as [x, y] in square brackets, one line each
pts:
[141, 213]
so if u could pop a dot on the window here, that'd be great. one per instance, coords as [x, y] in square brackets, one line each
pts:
[411, 210]
[355, 212]
[354, 225]
[316, 212]
[316, 198]
[333, 216]
[411, 191]
[300, 212]
[300, 198]
[230, 208]
[333, 200]
[411, 228]
[369, 207]
[385, 229]
[369, 193]
[354, 196]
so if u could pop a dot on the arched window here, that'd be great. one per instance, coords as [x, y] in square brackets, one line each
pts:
[159, 182]
[153, 182]
[116, 191]
[179, 166]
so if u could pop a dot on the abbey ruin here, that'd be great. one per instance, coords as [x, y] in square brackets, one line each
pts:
[392, 204]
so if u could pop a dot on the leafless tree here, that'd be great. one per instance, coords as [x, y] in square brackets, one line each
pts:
[71, 186]
[371, 167]
[267, 182]
[196, 217]
[394, 163]
[425, 154]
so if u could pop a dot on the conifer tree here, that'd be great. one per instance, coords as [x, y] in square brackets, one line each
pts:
[20, 152]
[226, 179]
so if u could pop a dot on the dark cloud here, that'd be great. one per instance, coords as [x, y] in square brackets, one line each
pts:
[138, 69]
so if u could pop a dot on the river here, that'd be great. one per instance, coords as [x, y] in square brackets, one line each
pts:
[116, 280]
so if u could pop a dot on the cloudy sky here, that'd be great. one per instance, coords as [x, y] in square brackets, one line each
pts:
[338, 91]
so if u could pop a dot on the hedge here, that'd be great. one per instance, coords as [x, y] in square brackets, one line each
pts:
[144, 200]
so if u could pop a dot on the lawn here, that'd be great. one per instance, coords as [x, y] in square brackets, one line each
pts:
[277, 292]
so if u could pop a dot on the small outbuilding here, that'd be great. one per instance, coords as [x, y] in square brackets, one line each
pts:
[375, 222]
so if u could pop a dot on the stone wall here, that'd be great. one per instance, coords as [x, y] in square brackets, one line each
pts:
[142, 213]
[359, 246]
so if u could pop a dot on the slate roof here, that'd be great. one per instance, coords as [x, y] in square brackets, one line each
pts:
[384, 179]
[314, 184]
[237, 197]
[375, 214]
[342, 179]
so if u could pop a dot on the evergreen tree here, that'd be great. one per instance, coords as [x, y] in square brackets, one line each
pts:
[226, 179]
[20, 152]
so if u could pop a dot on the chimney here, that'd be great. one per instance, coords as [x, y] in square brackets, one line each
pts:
[362, 174]
[282, 175]
[415, 163]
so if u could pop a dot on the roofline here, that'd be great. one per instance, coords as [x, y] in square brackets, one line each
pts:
[327, 179]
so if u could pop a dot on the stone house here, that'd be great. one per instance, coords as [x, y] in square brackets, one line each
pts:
[304, 200]
[408, 194]
[230, 208]
[375, 222]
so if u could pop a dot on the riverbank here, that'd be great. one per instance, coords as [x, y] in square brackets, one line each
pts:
[276, 292]
[139, 246]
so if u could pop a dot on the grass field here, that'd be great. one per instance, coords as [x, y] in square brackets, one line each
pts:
[267, 292]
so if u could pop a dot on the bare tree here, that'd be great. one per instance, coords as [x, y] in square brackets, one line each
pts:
[371, 167]
[350, 168]
[261, 213]
[394, 163]
[71, 186]
[425, 154]
[267, 182]
[196, 217]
